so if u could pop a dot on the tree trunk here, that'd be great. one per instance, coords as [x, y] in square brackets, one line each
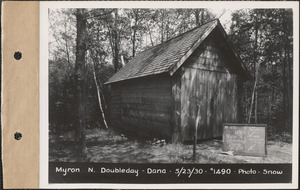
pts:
[150, 35]
[202, 16]
[133, 43]
[246, 102]
[252, 101]
[290, 93]
[116, 49]
[284, 95]
[80, 80]
[167, 29]
[136, 18]
[162, 27]
[115, 40]
[256, 69]
[270, 107]
[98, 93]
[67, 47]
[289, 75]
[197, 12]
[256, 104]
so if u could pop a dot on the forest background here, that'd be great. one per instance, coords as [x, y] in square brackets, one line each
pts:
[87, 46]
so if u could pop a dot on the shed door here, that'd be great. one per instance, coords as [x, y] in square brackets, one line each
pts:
[194, 92]
[213, 93]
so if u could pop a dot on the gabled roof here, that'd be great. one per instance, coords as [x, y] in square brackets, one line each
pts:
[167, 56]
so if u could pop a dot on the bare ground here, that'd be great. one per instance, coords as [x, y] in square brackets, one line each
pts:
[108, 146]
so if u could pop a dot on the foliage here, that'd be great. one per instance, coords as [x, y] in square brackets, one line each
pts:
[61, 97]
[264, 40]
[113, 37]
[262, 37]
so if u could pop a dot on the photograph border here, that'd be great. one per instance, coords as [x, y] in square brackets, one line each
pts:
[44, 144]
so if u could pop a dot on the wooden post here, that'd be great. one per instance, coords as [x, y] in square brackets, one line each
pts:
[194, 147]
[196, 131]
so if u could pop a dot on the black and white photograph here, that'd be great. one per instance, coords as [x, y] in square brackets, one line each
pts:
[198, 94]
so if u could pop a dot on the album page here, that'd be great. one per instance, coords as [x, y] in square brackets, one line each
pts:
[150, 94]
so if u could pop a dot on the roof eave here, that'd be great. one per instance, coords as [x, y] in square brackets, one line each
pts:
[141, 76]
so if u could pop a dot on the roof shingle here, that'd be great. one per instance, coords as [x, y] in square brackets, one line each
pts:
[161, 58]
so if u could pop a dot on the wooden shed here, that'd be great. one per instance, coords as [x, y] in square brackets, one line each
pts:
[165, 90]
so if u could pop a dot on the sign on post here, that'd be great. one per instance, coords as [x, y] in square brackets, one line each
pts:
[245, 139]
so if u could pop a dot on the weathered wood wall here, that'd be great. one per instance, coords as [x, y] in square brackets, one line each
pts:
[143, 106]
[176, 106]
[207, 83]
[167, 107]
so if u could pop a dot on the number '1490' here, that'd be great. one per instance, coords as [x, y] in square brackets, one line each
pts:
[221, 171]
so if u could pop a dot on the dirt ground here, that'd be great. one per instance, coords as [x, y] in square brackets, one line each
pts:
[108, 146]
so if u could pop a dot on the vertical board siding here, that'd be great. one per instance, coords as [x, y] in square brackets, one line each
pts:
[215, 93]
[176, 101]
[207, 82]
[143, 106]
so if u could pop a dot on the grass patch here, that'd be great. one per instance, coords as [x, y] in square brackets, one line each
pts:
[108, 146]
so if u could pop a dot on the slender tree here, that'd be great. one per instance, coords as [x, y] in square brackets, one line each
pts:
[94, 61]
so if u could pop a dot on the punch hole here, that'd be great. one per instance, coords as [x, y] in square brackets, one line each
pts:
[18, 136]
[18, 55]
